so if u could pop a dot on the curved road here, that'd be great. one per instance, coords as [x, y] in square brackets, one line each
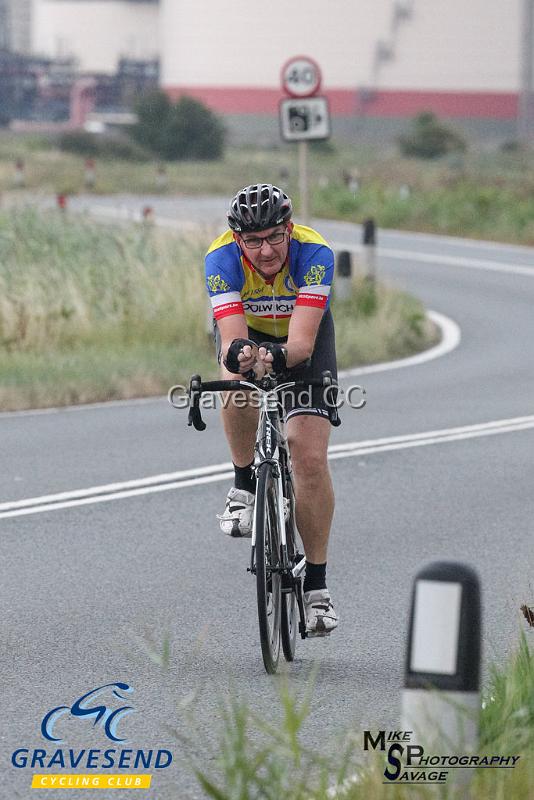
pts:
[93, 582]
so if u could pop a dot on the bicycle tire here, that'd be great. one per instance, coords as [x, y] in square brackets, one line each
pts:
[268, 582]
[290, 612]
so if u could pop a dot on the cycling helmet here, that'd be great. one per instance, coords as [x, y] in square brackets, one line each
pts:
[258, 207]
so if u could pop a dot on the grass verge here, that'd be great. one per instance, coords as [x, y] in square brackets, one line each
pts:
[481, 194]
[268, 759]
[89, 312]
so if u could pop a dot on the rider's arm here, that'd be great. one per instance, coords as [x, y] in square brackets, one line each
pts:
[230, 328]
[303, 327]
[313, 276]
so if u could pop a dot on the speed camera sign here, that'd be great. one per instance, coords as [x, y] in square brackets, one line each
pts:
[305, 118]
[301, 76]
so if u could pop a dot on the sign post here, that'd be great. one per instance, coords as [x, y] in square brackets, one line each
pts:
[303, 116]
[303, 182]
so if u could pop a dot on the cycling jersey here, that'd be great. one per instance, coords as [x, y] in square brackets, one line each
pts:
[235, 287]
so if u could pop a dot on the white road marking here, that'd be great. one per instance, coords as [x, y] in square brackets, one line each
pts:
[433, 258]
[450, 339]
[457, 261]
[450, 333]
[396, 253]
[223, 472]
[37, 412]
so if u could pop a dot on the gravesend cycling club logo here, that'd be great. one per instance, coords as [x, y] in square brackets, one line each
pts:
[106, 717]
[103, 708]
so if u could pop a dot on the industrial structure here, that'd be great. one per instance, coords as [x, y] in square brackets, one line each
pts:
[382, 60]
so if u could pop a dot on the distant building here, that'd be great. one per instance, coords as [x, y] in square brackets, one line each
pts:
[96, 33]
[381, 59]
[15, 25]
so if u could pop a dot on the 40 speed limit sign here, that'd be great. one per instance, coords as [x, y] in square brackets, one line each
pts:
[301, 76]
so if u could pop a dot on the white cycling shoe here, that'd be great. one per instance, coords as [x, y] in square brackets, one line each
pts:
[321, 617]
[238, 514]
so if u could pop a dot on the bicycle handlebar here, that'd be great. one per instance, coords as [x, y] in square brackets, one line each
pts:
[197, 389]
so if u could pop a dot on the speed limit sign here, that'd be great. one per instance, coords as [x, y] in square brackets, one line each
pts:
[301, 76]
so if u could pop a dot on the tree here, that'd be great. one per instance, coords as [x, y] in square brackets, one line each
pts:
[185, 130]
[430, 138]
[154, 110]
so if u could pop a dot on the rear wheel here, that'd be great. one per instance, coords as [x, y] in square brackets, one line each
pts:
[268, 578]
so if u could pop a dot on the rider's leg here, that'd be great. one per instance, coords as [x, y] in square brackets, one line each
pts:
[239, 423]
[308, 441]
[308, 438]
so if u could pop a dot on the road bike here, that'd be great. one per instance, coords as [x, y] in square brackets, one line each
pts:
[276, 560]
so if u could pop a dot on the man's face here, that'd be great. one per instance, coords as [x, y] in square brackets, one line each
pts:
[264, 251]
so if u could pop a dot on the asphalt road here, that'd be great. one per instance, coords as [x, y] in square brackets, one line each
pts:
[93, 585]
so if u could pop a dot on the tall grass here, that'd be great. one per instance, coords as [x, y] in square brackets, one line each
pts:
[481, 194]
[92, 312]
[88, 312]
[264, 760]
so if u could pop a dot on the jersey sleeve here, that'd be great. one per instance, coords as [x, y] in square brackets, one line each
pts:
[224, 282]
[314, 275]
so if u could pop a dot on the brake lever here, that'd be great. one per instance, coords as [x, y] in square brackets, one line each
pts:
[331, 386]
[194, 417]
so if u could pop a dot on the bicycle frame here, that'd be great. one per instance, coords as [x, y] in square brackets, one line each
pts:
[272, 447]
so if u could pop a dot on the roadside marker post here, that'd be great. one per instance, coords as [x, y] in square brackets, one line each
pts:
[20, 173]
[369, 249]
[148, 215]
[89, 173]
[343, 281]
[162, 179]
[440, 700]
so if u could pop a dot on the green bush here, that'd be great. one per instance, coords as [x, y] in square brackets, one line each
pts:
[92, 145]
[182, 131]
[79, 142]
[430, 138]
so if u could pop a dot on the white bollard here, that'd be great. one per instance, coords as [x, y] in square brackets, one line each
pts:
[342, 283]
[162, 179]
[369, 249]
[209, 318]
[89, 177]
[440, 701]
[20, 173]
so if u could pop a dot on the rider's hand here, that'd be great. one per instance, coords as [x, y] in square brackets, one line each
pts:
[240, 357]
[273, 355]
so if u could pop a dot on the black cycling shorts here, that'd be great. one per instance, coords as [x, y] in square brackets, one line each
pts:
[309, 400]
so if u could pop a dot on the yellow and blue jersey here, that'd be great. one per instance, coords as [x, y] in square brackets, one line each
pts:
[235, 287]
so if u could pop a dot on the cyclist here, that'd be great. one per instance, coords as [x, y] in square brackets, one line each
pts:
[269, 283]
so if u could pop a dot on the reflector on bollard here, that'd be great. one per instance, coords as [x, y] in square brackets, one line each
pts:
[440, 701]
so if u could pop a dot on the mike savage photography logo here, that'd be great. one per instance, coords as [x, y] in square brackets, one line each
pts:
[408, 763]
[97, 709]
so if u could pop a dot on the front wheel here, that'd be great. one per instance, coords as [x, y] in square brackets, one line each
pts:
[268, 579]
[290, 609]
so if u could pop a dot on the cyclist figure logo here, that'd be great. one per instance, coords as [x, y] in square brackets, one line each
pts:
[106, 716]
[315, 275]
[217, 284]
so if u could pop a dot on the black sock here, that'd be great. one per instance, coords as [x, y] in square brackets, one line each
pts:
[315, 577]
[245, 478]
